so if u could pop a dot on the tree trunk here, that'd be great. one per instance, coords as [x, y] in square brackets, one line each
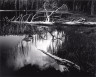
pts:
[19, 7]
[26, 6]
[61, 61]
[37, 5]
[73, 5]
[16, 7]
[92, 7]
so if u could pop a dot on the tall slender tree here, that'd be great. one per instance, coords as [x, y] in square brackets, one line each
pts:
[92, 7]
[26, 6]
[73, 5]
[16, 6]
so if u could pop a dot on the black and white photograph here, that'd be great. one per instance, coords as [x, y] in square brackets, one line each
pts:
[47, 38]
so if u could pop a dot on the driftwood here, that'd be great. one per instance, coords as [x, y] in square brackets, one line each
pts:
[62, 61]
[80, 22]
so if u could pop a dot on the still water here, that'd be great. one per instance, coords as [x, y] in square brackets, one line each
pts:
[20, 44]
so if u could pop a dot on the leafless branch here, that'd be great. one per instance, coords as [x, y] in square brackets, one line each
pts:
[61, 61]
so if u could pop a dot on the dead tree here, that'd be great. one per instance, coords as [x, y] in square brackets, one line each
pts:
[61, 61]
[62, 8]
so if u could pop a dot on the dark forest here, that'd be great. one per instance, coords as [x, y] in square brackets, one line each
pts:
[83, 6]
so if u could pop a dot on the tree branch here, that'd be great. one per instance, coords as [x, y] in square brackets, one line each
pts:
[61, 61]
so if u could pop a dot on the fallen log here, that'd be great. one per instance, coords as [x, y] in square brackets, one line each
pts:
[69, 23]
[62, 61]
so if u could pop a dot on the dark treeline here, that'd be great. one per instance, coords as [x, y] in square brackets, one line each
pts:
[85, 6]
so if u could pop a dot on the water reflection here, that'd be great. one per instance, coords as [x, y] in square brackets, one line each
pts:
[28, 49]
[77, 44]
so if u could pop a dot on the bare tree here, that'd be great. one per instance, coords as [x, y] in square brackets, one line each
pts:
[62, 8]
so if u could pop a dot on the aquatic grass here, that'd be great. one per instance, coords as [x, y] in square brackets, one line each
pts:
[15, 29]
[8, 28]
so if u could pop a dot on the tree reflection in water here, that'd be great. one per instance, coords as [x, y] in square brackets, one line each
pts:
[28, 53]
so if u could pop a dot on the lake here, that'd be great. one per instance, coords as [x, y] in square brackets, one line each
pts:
[20, 44]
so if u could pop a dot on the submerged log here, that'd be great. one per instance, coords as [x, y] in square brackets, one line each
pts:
[61, 61]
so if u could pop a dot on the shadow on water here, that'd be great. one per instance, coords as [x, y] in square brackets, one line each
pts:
[77, 44]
